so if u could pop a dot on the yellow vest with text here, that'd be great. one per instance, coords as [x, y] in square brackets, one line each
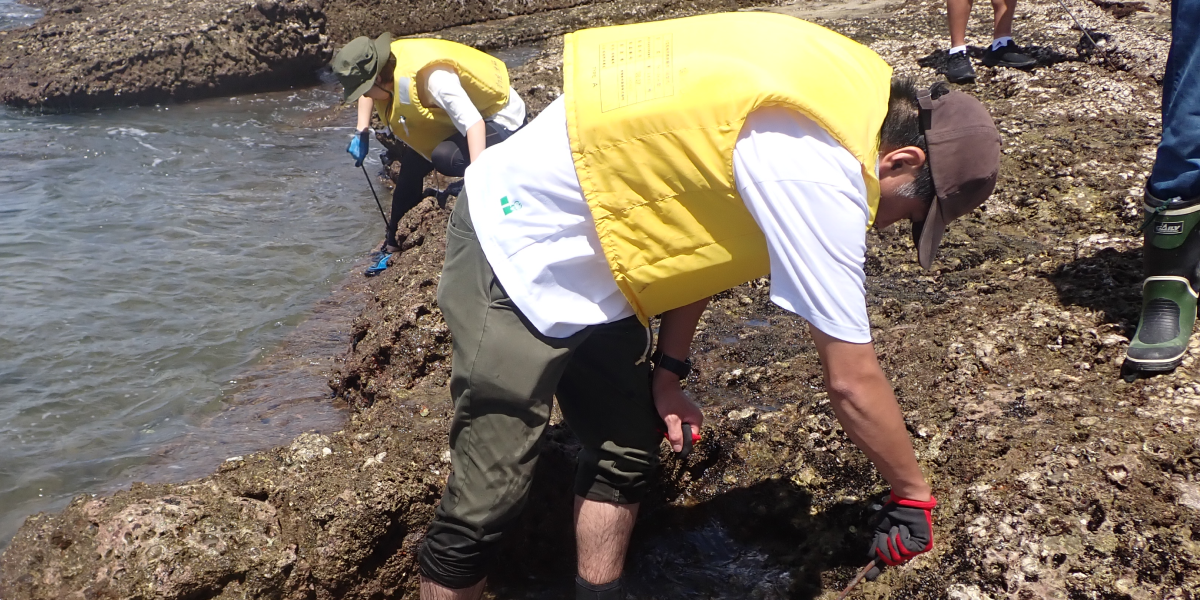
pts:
[653, 113]
[484, 78]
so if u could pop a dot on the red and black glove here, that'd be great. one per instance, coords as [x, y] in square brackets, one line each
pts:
[903, 529]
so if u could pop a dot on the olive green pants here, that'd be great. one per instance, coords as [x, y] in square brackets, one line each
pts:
[504, 378]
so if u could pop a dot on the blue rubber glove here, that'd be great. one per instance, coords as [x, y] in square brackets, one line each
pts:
[358, 146]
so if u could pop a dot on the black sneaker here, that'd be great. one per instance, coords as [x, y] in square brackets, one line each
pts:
[1008, 55]
[959, 69]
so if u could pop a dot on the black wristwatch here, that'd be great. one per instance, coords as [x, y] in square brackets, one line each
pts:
[672, 364]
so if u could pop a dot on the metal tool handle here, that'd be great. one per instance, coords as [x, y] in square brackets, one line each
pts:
[377, 203]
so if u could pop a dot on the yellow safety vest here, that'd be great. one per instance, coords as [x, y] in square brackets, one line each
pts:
[484, 77]
[653, 113]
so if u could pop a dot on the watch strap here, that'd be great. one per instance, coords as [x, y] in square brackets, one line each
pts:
[672, 364]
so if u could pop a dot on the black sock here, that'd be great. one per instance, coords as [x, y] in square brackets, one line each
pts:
[604, 591]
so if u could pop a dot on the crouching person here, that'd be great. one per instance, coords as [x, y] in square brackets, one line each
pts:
[684, 158]
[447, 102]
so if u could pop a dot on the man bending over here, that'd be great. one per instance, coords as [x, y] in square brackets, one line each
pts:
[684, 158]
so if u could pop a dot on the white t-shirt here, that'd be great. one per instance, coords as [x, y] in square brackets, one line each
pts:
[804, 190]
[446, 89]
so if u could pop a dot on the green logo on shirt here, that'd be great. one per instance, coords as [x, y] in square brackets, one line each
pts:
[509, 206]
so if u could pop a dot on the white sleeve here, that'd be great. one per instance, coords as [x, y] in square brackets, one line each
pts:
[807, 194]
[448, 93]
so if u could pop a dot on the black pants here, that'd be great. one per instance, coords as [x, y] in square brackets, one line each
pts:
[450, 157]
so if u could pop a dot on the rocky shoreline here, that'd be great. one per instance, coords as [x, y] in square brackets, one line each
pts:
[1055, 478]
[107, 53]
[128, 52]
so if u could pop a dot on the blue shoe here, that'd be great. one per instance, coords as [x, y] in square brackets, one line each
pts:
[379, 266]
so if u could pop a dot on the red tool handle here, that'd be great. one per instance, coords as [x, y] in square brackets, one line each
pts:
[689, 437]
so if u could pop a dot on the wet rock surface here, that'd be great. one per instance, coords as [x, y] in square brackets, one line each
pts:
[509, 22]
[1055, 478]
[84, 55]
[125, 52]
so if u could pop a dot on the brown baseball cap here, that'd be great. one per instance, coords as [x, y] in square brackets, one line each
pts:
[964, 158]
[358, 62]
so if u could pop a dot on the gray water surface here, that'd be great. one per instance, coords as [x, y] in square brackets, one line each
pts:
[17, 15]
[149, 256]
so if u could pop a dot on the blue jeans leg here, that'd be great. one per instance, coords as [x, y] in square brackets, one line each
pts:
[1176, 172]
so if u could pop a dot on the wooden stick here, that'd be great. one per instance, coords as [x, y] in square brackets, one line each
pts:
[858, 578]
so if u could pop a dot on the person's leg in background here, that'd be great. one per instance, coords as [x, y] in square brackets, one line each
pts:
[1004, 52]
[1002, 18]
[605, 398]
[958, 13]
[958, 67]
[1176, 171]
[408, 191]
[1171, 249]
[502, 380]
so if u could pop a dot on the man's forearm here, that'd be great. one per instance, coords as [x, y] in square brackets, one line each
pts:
[675, 334]
[869, 414]
[863, 401]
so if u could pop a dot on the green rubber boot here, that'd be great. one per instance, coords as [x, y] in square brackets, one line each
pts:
[1171, 255]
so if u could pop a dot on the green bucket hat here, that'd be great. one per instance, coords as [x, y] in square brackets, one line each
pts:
[359, 61]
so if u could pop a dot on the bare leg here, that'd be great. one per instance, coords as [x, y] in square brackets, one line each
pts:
[435, 591]
[958, 12]
[1003, 11]
[602, 533]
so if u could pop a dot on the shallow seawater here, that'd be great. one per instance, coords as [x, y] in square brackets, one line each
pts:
[701, 559]
[705, 561]
[150, 258]
[13, 14]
